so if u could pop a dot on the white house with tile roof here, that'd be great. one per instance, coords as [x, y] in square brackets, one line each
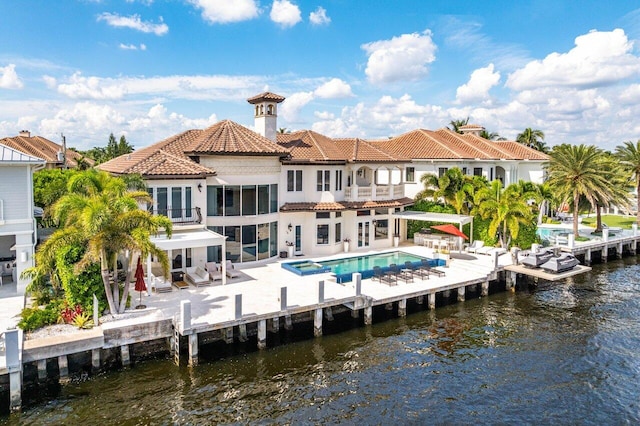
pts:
[17, 222]
[264, 192]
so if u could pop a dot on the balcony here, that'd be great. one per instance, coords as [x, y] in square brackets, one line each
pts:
[181, 216]
[374, 192]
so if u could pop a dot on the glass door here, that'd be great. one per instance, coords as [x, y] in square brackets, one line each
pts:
[364, 229]
[298, 238]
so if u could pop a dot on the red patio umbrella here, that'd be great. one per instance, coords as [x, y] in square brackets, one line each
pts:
[140, 284]
[452, 230]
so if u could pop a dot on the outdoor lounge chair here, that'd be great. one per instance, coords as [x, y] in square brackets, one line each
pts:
[475, 245]
[406, 276]
[231, 270]
[377, 273]
[385, 277]
[160, 284]
[431, 270]
[198, 276]
[214, 271]
[422, 273]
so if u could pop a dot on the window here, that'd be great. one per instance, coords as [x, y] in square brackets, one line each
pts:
[273, 198]
[338, 180]
[477, 171]
[294, 180]
[323, 234]
[323, 215]
[338, 214]
[464, 170]
[363, 213]
[382, 211]
[173, 202]
[263, 199]
[248, 243]
[225, 200]
[323, 180]
[244, 244]
[232, 200]
[410, 174]
[338, 232]
[381, 229]
[442, 171]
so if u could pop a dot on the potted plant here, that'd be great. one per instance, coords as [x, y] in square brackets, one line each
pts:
[290, 248]
[396, 240]
[345, 244]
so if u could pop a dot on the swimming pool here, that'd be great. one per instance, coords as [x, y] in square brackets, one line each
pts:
[343, 268]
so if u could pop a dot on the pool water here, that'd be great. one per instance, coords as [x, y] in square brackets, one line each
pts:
[345, 267]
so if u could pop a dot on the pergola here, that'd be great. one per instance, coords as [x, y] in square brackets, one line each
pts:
[191, 239]
[437, 217]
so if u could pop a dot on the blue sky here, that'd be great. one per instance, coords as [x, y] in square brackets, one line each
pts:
[152, 68]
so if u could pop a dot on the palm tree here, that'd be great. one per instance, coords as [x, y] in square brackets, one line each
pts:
[102, 213]
[456, 124]
[441, 188]
[618, 188]
[533, 139]
[576, 171]
[629, 156]
[493, 136]
[507, 208]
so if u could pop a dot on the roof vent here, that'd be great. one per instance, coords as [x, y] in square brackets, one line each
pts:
[25, 133]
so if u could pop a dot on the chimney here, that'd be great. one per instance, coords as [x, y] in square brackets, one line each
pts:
[474, 129]
[25, 133]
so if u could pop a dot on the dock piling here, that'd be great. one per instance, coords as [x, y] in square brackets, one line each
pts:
[328, 313]
[357, 279]
[262, 334]
[193, 350]
[42, 370]
[275, 324]
[283, 298]
[228, 335]
[95, 360]
[242, 333]
[402, 307]
[368, 315]
[320, 291]
[317, 322]
[14, 366]
[238, 306]
[124, 356]
[484, 291]
[288, 324]
[431, 300]
[461, 292]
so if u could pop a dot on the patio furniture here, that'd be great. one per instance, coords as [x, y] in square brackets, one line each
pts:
[401, 274]
[475, 246]
[377, 273]
[198, 276]
[385, 277]
[231, 270]
[160, 284]
[214, 271]
[431, 270]
[416, 271]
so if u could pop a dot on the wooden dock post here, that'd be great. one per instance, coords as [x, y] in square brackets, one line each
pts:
[419, 300]
[14, 367]
[42, 370]
[124, 356]
[317, 322]
[193, 349]
[275, 324]
[461, 291]
[587, 257]
[431, 300]
[402, 307]
[228, 335]
[288, 324]
[619, 251]
[185, 315]
[484, 291]
[368, 315]
[95, 359]
[328, 313]
[262, 334]
[355, 313]
[242, 333]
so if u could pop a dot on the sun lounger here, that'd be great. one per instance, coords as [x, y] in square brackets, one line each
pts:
[402, 274]
[388, 278]
[160, 284]
[431, 270]
[231, 270]
[422, 273]
[214, 271]
[198, 276]
[475, 246]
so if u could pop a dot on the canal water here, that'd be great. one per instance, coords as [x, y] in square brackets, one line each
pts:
[561, 353]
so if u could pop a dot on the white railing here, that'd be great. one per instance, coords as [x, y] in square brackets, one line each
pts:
[382, 191]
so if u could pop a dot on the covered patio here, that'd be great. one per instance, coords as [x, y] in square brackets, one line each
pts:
[190, 239]
[458, 219]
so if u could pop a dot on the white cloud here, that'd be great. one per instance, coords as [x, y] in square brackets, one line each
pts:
[293, 104]
[319, 17]
[285, 13]
[598, 59]
[9, 78]
[324, 115]
[141, 46]
[134, 22]
[332, 89]
[478, 86]
[158, 118]
[82, 118]
[225, 11]
[402, 58]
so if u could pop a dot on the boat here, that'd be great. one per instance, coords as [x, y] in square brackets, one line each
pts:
[564, 262]
[536, 259]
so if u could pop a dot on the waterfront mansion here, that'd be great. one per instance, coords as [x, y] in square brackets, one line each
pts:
[266, 194]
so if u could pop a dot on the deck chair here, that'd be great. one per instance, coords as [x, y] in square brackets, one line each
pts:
[422, 273]
[475, 245]
[406, 276]
[427, 267]
[214, 272]
[231, 270]
[377, 273]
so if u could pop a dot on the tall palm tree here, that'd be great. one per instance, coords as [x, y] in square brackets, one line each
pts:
[102, 213]
[441, 188]
[506, 207]
[576, 171]
[456, 124]
[629, 155]
[493, 136]
[533, 139]
[618, 193]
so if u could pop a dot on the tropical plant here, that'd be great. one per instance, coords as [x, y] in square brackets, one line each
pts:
[506, 208]
[83, 320]
[576, 171]
[456, 124]
[533, 139]
[629, 156]
[453, 188]
[493, 136]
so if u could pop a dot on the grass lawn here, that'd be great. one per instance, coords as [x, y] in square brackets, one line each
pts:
[611, 220]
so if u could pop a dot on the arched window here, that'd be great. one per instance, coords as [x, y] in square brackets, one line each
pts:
[269, 109]
[257, 110]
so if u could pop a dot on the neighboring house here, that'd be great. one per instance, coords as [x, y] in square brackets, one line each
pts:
[265, 191]
[17, 222]
[55, 156]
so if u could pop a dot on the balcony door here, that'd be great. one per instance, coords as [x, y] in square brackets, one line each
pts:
[364, 233]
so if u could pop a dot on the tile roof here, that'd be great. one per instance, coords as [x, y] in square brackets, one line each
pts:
[521, 152]
[230, 138]
[357, 150]
[309, 146]
[40, 147]
[10, 155]
[345, 205]
[266, 96]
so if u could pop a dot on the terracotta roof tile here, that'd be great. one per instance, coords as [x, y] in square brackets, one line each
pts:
[345, 205]
[266, 96]
[358, 150]
[519, 151]
[229, 138]
[40, 147]
[309, 146]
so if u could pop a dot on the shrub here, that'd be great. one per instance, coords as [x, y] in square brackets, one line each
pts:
[83, 320]
[34, 318]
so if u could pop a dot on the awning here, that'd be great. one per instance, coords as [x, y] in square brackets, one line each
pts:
[189, 239]
[434, 217]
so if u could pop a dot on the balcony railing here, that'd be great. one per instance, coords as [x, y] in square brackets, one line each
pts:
[181, 216]
[374, 192]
